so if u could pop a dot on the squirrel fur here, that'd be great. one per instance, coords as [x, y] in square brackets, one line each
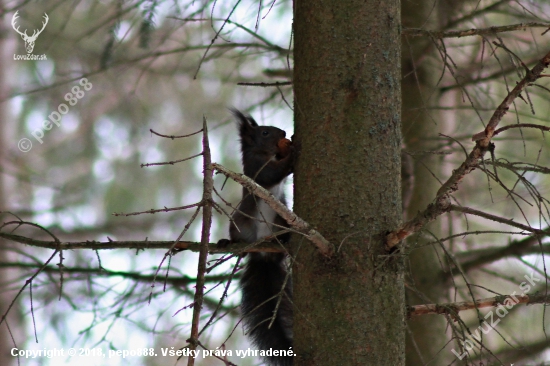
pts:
[268, 160]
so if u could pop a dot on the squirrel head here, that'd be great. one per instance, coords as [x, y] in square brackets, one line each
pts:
[265, 140]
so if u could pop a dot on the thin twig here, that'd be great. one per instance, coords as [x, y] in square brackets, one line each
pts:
[152, 211]
[454, 308]
[264, 85]
[522, 125]
[472, 32]
[28, 282]
[174, 136]
[170, 162]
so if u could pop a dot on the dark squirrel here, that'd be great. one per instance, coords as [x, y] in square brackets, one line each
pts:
[268, 158]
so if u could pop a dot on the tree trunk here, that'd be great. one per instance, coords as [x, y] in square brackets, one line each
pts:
[426, 336]
[349, 310]
[7, 276]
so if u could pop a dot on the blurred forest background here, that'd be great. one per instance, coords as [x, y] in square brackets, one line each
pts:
[163, 65]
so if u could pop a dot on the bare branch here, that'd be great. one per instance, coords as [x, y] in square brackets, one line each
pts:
[178, 280]
[495, 218]
[483, 141]
[489, 255]
[143, 244]
[170, 162]
[416, 224]
[290, 217]
[27, 283]
[484, 137]
[208, 184]
[472, 32]
[522, 125]
[174, 136]
[454, 308]
[264, 85]
[152, 211]
[476, 14]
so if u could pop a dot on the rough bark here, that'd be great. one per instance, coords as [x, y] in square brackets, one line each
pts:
[348, 309]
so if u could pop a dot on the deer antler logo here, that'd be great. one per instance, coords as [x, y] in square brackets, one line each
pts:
[29, 40]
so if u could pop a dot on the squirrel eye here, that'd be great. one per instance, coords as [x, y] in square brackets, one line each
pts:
[265, 133]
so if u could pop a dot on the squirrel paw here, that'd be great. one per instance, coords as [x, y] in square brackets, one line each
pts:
[223, 243]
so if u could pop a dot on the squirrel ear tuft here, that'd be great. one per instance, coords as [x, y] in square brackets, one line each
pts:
[244, 121]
